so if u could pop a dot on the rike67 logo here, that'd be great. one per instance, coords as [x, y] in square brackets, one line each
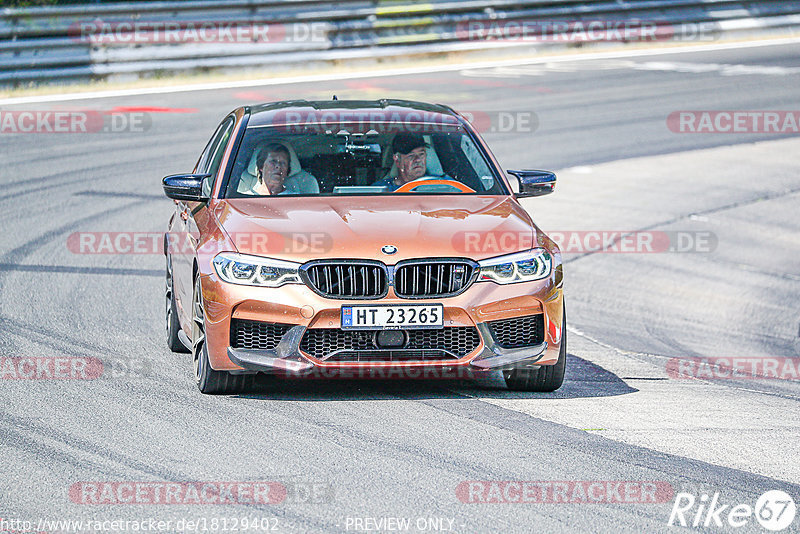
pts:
[774, 511]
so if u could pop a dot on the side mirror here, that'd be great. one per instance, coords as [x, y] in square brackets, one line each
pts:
[534, 183]
[185, 186]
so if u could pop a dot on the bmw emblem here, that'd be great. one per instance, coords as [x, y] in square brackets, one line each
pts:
[389, 249]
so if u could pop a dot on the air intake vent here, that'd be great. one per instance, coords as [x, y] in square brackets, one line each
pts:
[333, 344]
[519, 332]
[256, 334]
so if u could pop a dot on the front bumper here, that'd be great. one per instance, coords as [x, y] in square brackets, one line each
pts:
[287, 358]
[297, 305]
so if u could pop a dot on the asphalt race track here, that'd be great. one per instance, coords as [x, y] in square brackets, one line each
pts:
[354, 455]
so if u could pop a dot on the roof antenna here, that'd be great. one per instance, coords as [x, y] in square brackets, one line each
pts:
[334, 97]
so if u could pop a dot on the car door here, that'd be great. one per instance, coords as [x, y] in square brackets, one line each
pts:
[186, 227]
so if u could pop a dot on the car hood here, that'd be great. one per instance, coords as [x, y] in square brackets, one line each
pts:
[301, 229]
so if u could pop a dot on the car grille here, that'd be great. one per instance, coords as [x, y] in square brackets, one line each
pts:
[432, 278]
[519, 332]
[361, 279]
[347, 280]
[334, 344]
[256, 335]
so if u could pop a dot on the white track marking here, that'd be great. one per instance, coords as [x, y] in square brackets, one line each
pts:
[389, 72]
[723, 69]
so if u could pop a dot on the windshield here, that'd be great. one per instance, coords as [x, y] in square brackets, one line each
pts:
[272, 161]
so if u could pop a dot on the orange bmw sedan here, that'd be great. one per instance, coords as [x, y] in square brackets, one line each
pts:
[360, 238]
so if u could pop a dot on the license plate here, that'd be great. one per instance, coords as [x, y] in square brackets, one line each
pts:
[381, 317]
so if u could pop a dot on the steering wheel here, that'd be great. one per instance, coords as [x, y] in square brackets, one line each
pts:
[405, 188]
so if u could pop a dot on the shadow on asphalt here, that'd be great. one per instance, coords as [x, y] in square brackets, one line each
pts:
[583, 379]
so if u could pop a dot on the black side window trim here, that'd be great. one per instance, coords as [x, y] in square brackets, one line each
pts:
[223, 190]
[213, 147]
[202, 163]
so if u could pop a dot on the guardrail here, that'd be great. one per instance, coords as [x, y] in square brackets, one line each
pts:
[97, 41]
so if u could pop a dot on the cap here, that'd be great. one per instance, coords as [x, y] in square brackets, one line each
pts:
[404, 143]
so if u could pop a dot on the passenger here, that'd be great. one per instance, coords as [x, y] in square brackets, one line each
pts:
[275, 176]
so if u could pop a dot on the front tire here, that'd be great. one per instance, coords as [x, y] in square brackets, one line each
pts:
[546, 378]
[208, 380]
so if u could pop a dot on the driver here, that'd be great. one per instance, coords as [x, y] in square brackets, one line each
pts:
[410, 157]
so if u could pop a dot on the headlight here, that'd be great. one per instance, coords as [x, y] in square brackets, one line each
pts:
[255, 271]
[518, 267]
